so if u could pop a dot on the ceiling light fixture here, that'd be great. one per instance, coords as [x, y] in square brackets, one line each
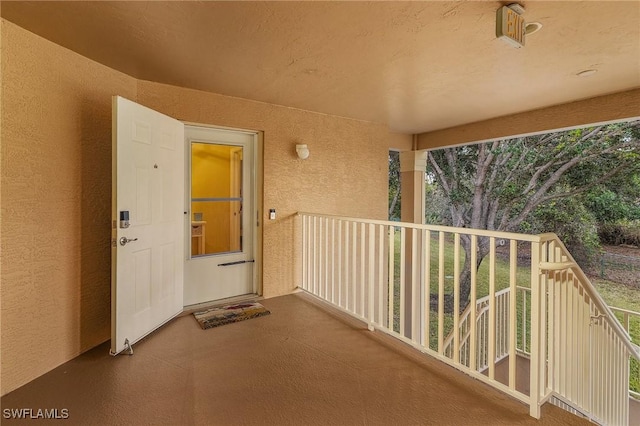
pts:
[586, 73]
[303, 151]
[532, 28]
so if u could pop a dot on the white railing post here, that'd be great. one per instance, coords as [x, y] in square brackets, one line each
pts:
[513, 320]
[537, 358]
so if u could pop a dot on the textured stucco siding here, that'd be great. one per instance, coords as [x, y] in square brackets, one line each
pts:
[56, 198]
[345, 174]
[56, 190]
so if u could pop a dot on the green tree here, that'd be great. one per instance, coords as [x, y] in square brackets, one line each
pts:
[394, 185]
[615, 200]
[498, 185]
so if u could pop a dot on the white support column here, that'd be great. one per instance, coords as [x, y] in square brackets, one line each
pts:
[413, 166]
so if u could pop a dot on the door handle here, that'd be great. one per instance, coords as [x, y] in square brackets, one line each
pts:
[125, 240]
[240, 262]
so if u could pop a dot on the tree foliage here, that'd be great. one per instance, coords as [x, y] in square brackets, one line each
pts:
[499, 185]
[394, 185]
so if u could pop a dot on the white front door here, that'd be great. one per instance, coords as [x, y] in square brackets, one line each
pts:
[222, 214]
[147, 253]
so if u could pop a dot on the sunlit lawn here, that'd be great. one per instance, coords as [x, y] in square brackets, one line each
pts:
[482, 280]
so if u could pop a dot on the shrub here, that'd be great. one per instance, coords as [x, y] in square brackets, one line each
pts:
[574, 224]
[620, 232]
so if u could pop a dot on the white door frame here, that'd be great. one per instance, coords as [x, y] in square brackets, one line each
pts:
[257, 178]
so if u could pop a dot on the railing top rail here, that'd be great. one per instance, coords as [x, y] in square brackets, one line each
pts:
[497, 294]
[595, 297]
[624, 311]
[435, 228]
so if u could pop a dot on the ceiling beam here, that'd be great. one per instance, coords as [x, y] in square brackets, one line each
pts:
[602, 109]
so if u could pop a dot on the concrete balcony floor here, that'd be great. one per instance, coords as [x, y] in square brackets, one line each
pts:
[303, 364]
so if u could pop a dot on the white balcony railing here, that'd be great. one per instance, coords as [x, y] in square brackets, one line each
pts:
[630, 320]
[405, 280]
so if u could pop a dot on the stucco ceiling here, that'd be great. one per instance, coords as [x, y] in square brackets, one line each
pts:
[418, 66]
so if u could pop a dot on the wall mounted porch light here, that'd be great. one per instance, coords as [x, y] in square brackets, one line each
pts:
[303, 151]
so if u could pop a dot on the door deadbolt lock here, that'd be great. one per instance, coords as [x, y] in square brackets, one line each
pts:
[125, 240]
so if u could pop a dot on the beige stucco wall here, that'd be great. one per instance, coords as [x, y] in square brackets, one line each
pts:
[400, 141]
[345, 174]
[56, 191]
[56, 198]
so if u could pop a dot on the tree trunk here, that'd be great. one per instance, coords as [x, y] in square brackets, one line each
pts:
[465, 274]
[393, 203]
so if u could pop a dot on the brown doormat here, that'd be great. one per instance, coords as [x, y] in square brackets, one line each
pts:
[222, 315]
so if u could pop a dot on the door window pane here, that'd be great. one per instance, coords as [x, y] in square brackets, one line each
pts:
[216, 198]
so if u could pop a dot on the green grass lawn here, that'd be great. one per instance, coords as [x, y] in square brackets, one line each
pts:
[614, 294]
[523, 278]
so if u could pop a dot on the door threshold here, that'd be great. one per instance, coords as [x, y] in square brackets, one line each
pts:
[251, 297]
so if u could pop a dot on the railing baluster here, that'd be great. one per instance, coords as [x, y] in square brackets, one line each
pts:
[333, 261]
[537, 355]
[315, 257]
[456, 297]
[371, 280]
[561, 326]
[320, 257]
[326, 259]
[472, 298]
[347, 259]
[415, 293]
[363, 258]
[339, 244]
[354, 265]
[513, 321]
[303, 220]
[426, 253]
[542, 330]
[492, 307]
[392, 239]
[403, 262]
[381, 275]
[441, 292]
[626, 321]
[524, 324]
[575, 333]
[586, 351]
